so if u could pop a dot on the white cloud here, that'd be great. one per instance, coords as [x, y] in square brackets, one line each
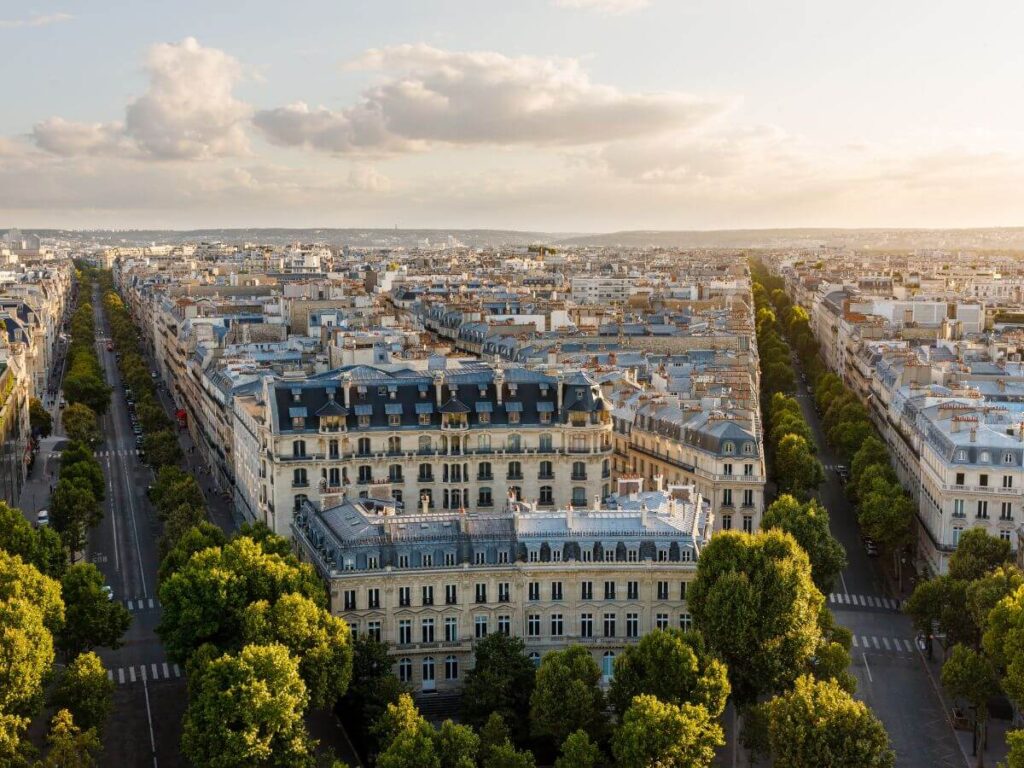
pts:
[36, 21]
[437, 97]
[188, 112]
[611, 7]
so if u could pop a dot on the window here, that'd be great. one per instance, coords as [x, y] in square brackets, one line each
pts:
[957, 532]
[748, 498]
[350, 599]
[748, 470]
[404, 631]
[587, 590]
[1007, 458]
[504, 624]
[373, 630]
[480, 627]
[373, 598]
[513, 417]
[363, 446]
[426, 473]
[546, 443]
[983, 480]
[661, 621]
[958, 508]
[515, 470]
[546, 495]
[533, 625]
[728, 448]
[299, 478]
[685, 622]
[959, 478]
[481, 593]
[483, 472]
[395, 473]
[579, 496]
[449, 558]
[503, 557]
[632, 590]
[1006, 511]
[483, 442]
[428, 673]
[546, 470]
[727, 469]
[608, 665]
[480, 558]
[982, 510]
[403, 562]
[332, 449]
[682, 590]
[533, 589]
[424, 443]
[727, 497]
[1007, 481]
[365, 474]
[451, 629]
[427, 631]
[451, 668]
[632, 555]
[485, 499]
[534, 657]
[1005, 535]
[371, 562]
[394, 419]
[404, 597]
[556, 555]
[427, 560]
[632, 625]
[556, 590]
[579, 470]
[556, 625]
[726, 522]
[514, 443]
[587, 555]
[609, 590]
[428, 592]
[298, 449]
[609, 625]
[663, 590]
[748, 527]
[405, 670]
[504, 595]
[748, 449]
[586, 625]
[533, 556]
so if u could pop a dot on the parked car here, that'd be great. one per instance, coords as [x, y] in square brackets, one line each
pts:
[43, 517]
[108, 591]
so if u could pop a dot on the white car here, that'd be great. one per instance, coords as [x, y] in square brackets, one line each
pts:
[43, 517]
[108, 591]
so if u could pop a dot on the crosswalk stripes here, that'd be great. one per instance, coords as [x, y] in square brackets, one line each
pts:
[865, 601]
[118, 452]
[153, 671]
[142, 604]
[883, 643]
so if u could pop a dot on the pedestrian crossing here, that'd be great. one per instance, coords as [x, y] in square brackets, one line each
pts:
[121, 452]
[883, 644]
[843, 599]
[142, 604]
[143, 673]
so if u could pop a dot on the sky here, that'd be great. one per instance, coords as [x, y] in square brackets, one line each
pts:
[548, 115]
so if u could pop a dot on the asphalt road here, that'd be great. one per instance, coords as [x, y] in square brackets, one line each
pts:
[892, 675]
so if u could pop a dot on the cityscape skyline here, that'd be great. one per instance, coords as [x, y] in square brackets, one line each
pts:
[561, 115]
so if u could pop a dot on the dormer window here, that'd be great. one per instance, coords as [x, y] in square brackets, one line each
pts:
[961, 455]
[748, 449]
[298, 423]
[985, 457]
[296, 395]
[381, 391]
[1007, 458]
[728, 448]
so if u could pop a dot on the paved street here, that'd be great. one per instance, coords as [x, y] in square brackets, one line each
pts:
[892, 675]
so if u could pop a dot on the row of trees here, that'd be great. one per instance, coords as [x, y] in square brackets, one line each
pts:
[160, 442]
[75, 505]
[84, 381]
[47, 606]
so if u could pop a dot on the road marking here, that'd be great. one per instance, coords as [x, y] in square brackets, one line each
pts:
[131, 673]
[874, 601]
[120, 675]
[156, 676]
[151, 602]
[831, 597]
[907, 643]
[867, 668]
[177, 671]
[130, 606]
[167, 672]
[855, 643]
[864, 641]
[110, 675]
[885, 642]
[875, 641]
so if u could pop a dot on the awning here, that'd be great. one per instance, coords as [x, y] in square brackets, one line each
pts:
[514, 406]
[422, 408]
[484, 406]
[296, 413]
[393, 409]
[545, 406]
[364, 410]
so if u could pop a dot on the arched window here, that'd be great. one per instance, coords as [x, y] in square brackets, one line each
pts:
[299, 477]
[394, 444]
[425, 443]
[515, 470]
[608, 665]
[748, 448]
[363, 446]
[451, 668]
[546, 442]
[546, 470]
[513, 442]
[484, 442]
[579, 470]
[728, 448]
[579, 496]
[405, 670]
[298, 448]
[300, 499]
[395, 473]
[397, 496]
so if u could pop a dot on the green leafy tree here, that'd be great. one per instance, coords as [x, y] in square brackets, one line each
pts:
[669, 736]
[179, 522]
[977, 554]
[817, 723]
[80, 424]
[373, 684]
[92, 618]
[1015, 755]
[871, 451]
[578, 751]
[757, 606]
[204, 601]
[885, 516]
[41, 547]
[847, 436]
[245, 710]
[205, 535]
[73, 511]
[84, 689]
[458, 745]
[500, 682]
[408, 739]
[984, 594]
[968, 674]
[507, 756]
[321, 642]
[797, 471]
[672, 665]
[70, 746]
[567, 695]
[39, 419]
[808, 524]
[940, 601]
[162, 448]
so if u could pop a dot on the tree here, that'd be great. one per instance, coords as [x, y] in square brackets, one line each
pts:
[846, 436]
[941, 601]
[93, 619]
[968, 675]
[84, 385]
[885, 516]
[70, 746]
[162, 448]
[40, 546]
[205, 535]
[808, 524]
[373, 684]
[458, 745]
[567, 695]
[80, 424]
[1015, 756]
[84, 689]
[321, 642]
[501, 681]
[871, 451]
[758, 608]
[39, 419]
[672, 665]
[977, 554]
[817, 723]
[578, 751]
[246, 710]
[178, 522]
[796, 469]
[73, 511]
[408, 739]
[669, 736]
[1004, 643]
[507, 756]
[204, 601]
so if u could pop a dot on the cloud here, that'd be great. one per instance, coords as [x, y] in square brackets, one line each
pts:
[36, 21]
[610, 7]
[188, 112]
[436, 97]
